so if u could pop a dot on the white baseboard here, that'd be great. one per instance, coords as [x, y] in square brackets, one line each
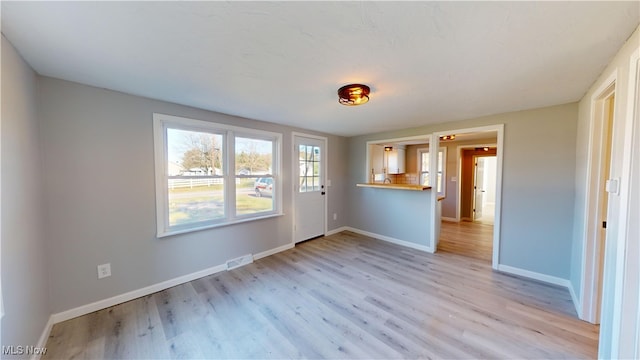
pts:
[42, 342]
[273, 251]
[391, 240]
[534, 275]
[449, 219]
[577, 304]
[545, 278]
[335, 231]
[118, 299]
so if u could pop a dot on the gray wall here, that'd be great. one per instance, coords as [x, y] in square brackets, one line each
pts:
[538, 181]
[99, 185]
[25, 286]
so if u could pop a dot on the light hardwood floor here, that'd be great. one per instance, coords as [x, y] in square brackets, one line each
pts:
[472, 239]
[344, 296]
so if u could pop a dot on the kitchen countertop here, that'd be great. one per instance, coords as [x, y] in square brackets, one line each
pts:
[411, 187]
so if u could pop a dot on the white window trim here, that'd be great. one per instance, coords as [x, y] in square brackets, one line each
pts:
[434, 185]
[160, 124]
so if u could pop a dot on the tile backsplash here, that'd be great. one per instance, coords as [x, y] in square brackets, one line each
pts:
[407, 178]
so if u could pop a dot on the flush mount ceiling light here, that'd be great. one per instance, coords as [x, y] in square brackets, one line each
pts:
[353, 94]
[447, 137]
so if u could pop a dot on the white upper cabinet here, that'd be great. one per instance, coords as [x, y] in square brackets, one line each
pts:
[376, 156]
[396, 160]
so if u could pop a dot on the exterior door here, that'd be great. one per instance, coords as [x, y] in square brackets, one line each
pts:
[309, 188]
[478, 188]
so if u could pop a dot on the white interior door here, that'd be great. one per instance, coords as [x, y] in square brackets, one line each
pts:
[478, 188]
[309, 188]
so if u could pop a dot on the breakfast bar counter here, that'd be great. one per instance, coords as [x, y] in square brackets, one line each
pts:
[411, 187]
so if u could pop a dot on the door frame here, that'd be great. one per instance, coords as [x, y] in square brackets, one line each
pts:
[591, 267]
[619, 335]
[475, 180]
[294, 180]
[459, 150]
[629, 289]
[499, 129]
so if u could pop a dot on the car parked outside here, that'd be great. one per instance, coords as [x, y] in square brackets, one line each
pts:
[263, 187]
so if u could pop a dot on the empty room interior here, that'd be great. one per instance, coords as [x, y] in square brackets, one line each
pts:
[341, 180]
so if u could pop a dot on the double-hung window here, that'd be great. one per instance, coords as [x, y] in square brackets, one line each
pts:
[210, 174]
[423, 165]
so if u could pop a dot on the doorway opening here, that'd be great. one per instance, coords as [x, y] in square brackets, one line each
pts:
[484, 188]
[471, 208]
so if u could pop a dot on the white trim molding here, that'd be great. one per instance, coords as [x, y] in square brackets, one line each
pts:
[390, 239]
[623, 337]
[336, 231]
[590, 267]
[499, 129]
[118, 299]
[270, 252]
[148, 290]
[42, 342]
[535, 276]
[544, 278]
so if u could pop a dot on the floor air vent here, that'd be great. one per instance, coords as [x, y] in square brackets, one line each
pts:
[241, 261]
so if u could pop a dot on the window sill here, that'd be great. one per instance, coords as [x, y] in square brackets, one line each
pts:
[213, 226]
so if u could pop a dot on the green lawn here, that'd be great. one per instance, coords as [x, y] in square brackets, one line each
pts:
[207, 203]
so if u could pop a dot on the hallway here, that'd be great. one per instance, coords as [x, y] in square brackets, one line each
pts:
[471, 239]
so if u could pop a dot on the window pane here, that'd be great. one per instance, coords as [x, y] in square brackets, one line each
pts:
[302, 152]
[441, 165]
[424, 176]
[254, 156]
[194, 153]
[425, 161]
[254, 195]
[195, 200]
[309, 168]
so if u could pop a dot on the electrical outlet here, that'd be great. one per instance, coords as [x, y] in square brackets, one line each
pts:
[335, 216]
[104, 270]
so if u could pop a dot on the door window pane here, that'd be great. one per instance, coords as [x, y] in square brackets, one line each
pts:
[309, 162]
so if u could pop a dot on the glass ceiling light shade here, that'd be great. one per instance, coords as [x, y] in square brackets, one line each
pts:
[353, 94]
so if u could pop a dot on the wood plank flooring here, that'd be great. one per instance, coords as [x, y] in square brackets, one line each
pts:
[344, 296]
[472, 239]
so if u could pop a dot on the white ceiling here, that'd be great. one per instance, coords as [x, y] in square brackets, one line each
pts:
[426, 62]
